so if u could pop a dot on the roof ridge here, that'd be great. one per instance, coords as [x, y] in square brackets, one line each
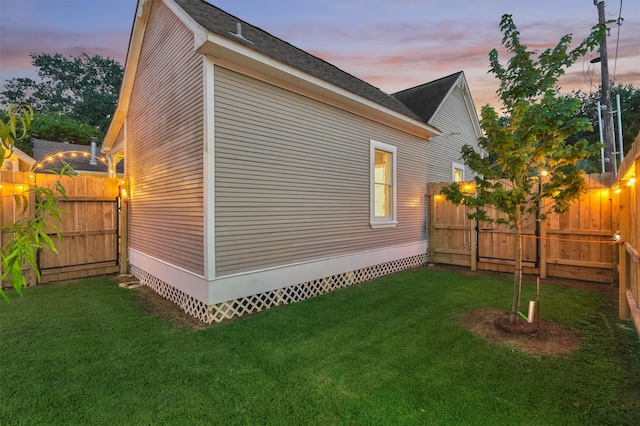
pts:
[456, 74]
[281, 50]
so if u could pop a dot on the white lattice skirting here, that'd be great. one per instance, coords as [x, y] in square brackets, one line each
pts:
[262, 301]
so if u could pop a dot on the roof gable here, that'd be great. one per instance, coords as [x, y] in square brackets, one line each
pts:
[425, 99]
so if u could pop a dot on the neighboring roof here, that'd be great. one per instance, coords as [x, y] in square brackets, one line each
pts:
[222, 23]
[77, 156]
[26, 160]
[425, 99]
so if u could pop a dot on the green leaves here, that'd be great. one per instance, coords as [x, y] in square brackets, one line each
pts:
[15, 128]
[533, 134]
[37, 209]
[29, 234]
[530, 74]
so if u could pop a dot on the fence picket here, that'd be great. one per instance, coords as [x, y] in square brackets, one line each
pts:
[576, 243]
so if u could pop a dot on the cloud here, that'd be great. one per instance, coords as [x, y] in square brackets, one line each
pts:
[18, 43]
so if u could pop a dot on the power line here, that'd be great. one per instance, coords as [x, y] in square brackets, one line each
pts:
[615, 61]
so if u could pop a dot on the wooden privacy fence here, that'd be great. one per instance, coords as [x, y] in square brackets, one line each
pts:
[577, 244]
[626, 198]
[90, 231]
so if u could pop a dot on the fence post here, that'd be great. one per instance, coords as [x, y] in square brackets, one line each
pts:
[473, 227]
[542, 245]
[124, 228]
[624, 200]
[623, 282]
[431, 215]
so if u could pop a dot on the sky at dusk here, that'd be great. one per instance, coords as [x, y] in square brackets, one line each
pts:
[391, 44]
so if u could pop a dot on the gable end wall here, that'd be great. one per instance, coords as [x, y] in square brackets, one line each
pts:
[457, 130]
[164, 130]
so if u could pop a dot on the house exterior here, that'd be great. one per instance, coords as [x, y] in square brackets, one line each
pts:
[18, 161]
[259, 174]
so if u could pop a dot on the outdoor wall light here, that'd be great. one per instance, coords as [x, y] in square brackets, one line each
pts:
[468, 188]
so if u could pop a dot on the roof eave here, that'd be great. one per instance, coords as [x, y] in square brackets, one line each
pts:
[128, 77]
[248, 61]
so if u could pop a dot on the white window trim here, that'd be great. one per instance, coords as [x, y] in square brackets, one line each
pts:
[382, 223]
[456, 165]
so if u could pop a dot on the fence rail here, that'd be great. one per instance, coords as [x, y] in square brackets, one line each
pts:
[576, 244]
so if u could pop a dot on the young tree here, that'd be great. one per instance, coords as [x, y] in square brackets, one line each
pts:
[84, 87]
[529, 160]
[29, 231]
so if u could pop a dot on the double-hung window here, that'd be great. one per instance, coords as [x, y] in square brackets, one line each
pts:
[383, 185]
[457, 171]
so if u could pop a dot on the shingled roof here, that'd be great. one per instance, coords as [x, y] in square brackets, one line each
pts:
[223, 24]
[425, 99]
[46, 153]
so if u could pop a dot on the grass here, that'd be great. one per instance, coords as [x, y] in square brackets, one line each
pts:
[386, 352]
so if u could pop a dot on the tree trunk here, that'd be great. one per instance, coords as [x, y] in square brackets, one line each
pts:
[517, 273]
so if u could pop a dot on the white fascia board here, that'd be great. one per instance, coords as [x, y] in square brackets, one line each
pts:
[131, 63]
[461, 84]
[454, 86]
[235, 286]
[128, 77]
[473, 113]
[233, 55]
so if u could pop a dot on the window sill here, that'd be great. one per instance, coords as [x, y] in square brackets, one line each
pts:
[385, 224]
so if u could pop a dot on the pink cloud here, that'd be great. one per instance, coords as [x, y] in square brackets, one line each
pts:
[17, 44]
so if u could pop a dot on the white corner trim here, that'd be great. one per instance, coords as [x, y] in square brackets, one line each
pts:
[209, 138]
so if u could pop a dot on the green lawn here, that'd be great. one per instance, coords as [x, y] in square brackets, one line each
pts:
[389, 351]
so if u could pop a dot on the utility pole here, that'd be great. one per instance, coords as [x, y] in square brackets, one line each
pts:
[607, 111]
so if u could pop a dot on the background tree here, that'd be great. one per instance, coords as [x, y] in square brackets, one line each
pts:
[529, 159]
[630, 105]
[84, 88]
[52, 126]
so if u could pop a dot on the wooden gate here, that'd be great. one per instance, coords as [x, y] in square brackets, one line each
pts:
[89, 240]
[90, 228]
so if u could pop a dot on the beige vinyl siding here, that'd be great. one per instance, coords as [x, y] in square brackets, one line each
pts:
[165, 146]
[292, 178]
[457, 130]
